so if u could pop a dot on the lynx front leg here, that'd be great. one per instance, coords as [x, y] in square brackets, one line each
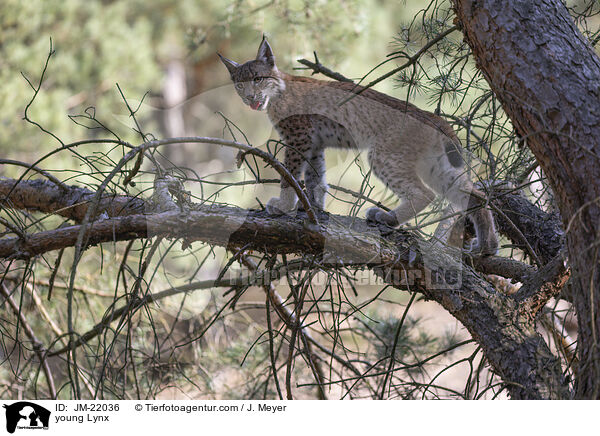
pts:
[286, 202]
[314, 178]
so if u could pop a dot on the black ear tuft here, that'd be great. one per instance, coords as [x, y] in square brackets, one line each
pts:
[265, 53]
[231, 65]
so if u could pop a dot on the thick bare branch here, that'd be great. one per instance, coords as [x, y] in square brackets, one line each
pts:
[543, 230]
[545, 284]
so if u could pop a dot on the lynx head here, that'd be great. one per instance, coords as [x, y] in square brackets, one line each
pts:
[256, 81]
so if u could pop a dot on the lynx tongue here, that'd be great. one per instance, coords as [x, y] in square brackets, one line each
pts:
[255, 105]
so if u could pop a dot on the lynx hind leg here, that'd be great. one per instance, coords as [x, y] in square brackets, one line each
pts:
[414, 197]
[314, 179]
[463, 195]
[486, 237]
[287, 200]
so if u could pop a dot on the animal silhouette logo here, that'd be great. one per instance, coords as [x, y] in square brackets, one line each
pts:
[24, 414]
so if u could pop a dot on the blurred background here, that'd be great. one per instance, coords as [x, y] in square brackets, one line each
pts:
[166, 51]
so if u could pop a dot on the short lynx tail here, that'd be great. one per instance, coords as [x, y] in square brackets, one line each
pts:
[485, 230]
[454, 154]
[456, 184]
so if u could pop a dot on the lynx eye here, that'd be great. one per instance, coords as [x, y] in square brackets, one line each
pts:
[239, 86]
[258, 79]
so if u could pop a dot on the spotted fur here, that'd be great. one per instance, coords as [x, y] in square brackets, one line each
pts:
[414, 152]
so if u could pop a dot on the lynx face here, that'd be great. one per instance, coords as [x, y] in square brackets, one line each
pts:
[256, 81]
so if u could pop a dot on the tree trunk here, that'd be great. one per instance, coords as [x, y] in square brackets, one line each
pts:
[547, 76]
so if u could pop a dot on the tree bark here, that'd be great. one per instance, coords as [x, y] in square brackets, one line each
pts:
[68, 201]
[504, 326]
[547, 77]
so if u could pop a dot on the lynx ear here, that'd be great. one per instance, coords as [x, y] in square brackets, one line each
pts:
[265, 53]
[231, 65]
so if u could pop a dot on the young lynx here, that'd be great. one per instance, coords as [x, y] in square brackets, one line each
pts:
[414, 152]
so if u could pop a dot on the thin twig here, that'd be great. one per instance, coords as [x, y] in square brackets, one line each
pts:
[407, 64]
[291, 320]
[317, 67]
[38, 346]
[34, 168]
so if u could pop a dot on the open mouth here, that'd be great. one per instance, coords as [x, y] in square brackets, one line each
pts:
[256, 105]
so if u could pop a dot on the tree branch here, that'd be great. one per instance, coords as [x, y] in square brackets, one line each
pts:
[547, 283]
[542, 230]
[549, 99]
[69, 201]
[317, 67]
[404, 260]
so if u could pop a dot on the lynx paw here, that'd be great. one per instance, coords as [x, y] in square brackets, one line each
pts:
[379, 216]
[277, 207]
